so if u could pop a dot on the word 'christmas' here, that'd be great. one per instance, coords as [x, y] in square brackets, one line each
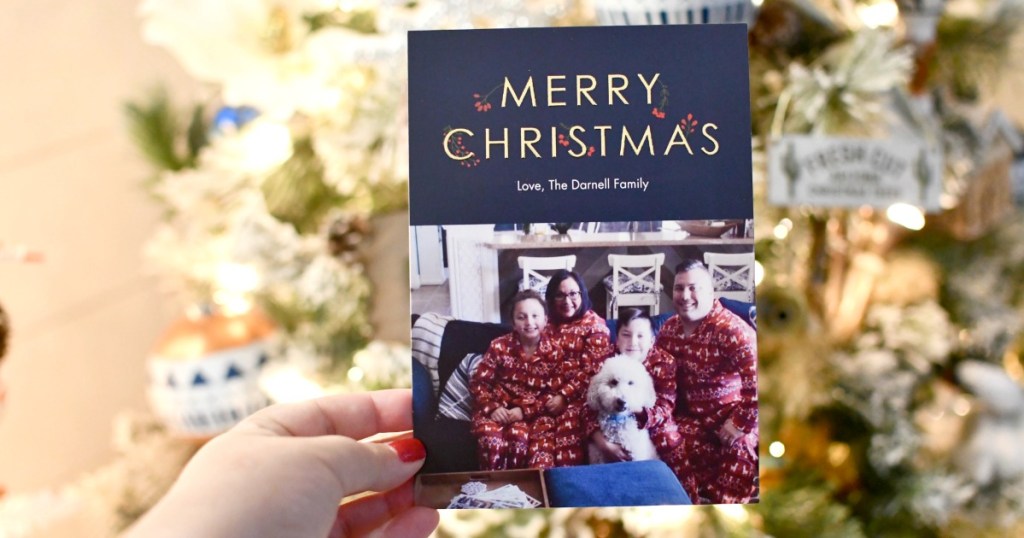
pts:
[529, 138]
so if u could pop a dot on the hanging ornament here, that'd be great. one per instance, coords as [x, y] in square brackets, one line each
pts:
[4, 331]
[781, 310]
[990, 452]
[987, 197]
[779, 27]
[296, 192]
[640, 12]
[345, 233]
[204, 371]
[230, 119]
[921, 19]
[5, 328]
[16, 253]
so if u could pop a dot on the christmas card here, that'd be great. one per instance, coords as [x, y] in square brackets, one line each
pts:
[577, 194]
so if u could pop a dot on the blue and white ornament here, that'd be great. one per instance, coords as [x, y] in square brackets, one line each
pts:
[641, 12]
[204, 373]
[232, 118]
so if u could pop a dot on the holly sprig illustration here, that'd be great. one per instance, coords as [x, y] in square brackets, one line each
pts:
[659, 111]
[457, 147]
[482, 103]
[689, 123]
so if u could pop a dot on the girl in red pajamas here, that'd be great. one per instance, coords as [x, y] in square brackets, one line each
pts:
[517, 390]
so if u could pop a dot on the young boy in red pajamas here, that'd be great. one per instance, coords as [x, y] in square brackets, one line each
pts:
[635, 338]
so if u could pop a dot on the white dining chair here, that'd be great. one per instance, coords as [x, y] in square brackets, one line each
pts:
[531, 266]
[635, 281]
[733, 274]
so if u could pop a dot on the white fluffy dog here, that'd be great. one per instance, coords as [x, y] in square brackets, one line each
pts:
[622, 388]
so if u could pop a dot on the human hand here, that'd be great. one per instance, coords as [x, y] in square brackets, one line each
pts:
[729, 433]
[515, 414]
[612, 452]
[284, 471]
[501, 416]
[555, 404]
[642, 416]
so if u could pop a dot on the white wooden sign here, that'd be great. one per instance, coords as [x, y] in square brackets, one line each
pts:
[851, 172]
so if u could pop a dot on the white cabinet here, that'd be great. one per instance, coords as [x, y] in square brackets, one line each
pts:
[426, 255]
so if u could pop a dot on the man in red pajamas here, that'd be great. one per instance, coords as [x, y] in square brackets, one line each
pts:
[716, 368]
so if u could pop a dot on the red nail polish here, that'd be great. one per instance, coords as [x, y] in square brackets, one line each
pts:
[409, 450]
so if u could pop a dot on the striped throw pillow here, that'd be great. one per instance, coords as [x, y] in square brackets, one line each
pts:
[427, 333]
[456, 402]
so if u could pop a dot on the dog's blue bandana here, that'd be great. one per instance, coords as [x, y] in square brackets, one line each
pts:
[619, 419]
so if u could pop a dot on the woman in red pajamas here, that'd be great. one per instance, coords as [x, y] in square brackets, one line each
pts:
[518, 392]
[584, 340]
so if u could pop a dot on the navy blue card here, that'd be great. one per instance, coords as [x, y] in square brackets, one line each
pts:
[579, 124]
[570, 191]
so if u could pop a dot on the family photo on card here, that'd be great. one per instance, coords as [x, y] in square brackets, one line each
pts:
[602, 356]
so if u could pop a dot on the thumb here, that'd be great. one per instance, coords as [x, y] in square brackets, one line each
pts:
[362, 466]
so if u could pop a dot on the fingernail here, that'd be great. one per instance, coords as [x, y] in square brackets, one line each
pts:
[409, 450]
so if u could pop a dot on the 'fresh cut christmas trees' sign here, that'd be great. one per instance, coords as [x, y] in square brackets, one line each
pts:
[851, 172]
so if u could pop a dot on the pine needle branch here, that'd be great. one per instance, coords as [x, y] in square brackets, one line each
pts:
[972, 52]
[153, 126]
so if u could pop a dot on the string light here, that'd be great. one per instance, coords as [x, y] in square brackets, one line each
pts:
[906, 215]
[231, 304]
[235, 282]
[782, 229]
[758, 273]
[776, 449]
[962, 406]
[838, 453]
[265, 145]
[878, 14]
